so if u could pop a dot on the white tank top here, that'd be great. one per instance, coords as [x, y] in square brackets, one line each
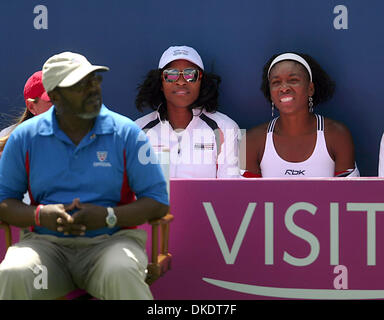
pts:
[319, 164]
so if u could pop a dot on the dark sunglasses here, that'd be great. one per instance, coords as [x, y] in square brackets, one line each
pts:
[189, 74]
[93, 78]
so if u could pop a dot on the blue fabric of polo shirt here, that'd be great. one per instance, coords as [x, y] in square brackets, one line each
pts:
[103, 169]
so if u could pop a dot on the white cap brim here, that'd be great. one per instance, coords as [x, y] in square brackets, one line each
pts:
[78, 74]
[66, 69]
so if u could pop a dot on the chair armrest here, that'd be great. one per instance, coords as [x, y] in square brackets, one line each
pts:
[160, 262]
[164, 236]
[8, 234]
[166, 219]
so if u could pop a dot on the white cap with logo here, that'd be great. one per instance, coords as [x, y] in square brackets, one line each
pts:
[66, 69]
[180, 53]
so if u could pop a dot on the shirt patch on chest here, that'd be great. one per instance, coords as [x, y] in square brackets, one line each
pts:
[102, 157]
[203, 146]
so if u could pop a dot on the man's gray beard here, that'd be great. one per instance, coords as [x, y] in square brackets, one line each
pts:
[88, 116]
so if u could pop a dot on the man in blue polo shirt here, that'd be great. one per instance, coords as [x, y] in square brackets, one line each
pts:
[80, 163]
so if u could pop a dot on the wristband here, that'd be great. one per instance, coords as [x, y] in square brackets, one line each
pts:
[249, 174]
[37, 214]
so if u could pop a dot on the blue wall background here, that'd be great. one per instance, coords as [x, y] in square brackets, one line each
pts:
[234, 38]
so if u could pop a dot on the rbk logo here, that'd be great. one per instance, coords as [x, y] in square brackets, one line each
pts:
[291, 172]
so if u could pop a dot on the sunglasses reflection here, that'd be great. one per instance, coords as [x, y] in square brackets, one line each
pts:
[173, 75]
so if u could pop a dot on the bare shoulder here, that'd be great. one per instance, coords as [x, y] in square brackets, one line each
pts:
[336, 130]
[252, 148]
[255, 141]
[257, 133]
[339, 143]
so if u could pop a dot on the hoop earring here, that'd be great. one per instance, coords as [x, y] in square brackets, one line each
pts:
[310, 104]
[273, 108]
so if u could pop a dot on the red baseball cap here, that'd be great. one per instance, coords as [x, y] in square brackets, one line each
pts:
[34, 87]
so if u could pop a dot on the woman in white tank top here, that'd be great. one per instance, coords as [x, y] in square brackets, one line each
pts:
[298, 143]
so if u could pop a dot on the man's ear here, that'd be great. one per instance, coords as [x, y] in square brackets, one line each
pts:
[54, 96]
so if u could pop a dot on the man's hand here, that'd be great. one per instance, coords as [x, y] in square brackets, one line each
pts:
[89, 215]
[56, 218]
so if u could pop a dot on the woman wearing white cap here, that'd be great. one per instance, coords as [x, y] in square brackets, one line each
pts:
[298, 143]
[203, 142]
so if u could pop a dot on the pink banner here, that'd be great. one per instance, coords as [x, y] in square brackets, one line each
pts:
[268, 238]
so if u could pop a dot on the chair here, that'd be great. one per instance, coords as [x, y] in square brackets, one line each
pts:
[160, 263]
[8, 234]
[160, 260]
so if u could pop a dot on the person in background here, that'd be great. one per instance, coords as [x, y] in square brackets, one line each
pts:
[203, 143]
[36, 101]
[89, 191]
[298, 143]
